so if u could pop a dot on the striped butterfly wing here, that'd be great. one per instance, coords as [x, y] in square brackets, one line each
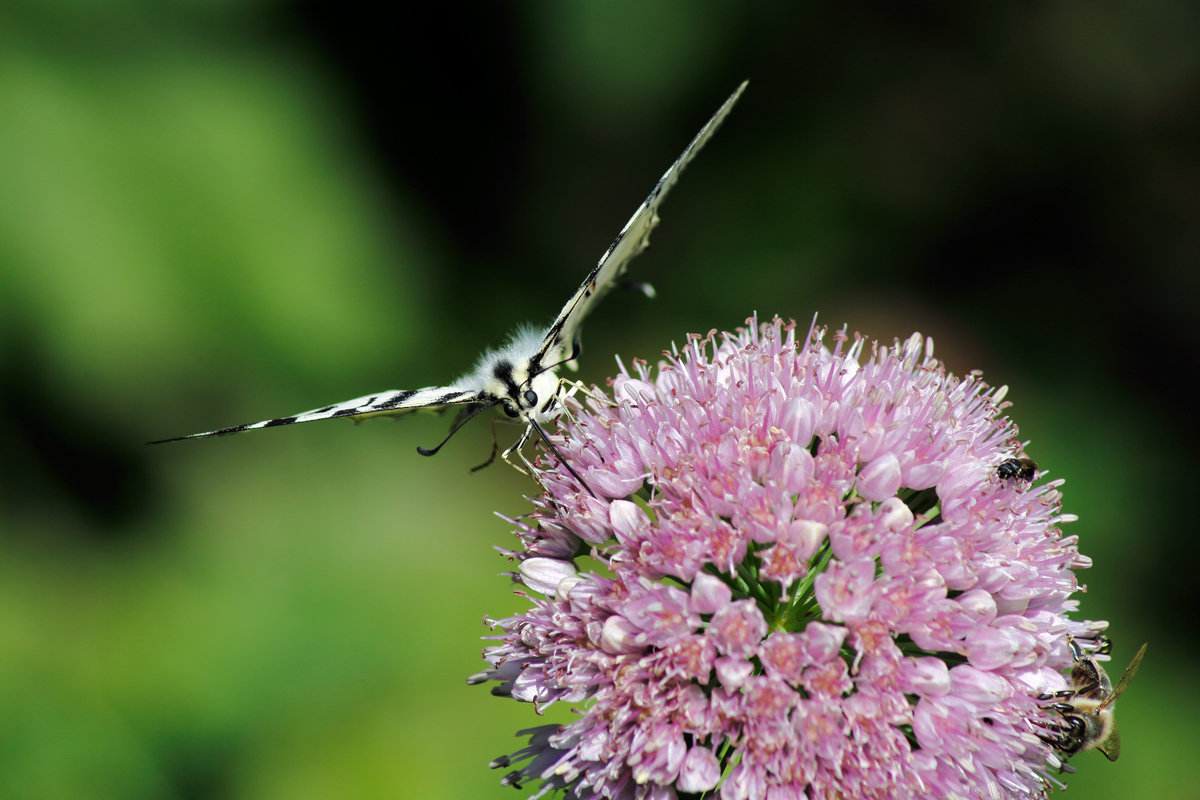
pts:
[559, 344]
[392, 403]
[556, 348]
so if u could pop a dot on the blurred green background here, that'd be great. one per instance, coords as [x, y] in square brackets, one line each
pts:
[212, 213]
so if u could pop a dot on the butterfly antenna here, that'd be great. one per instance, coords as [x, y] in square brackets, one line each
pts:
[576, 349]
[468, 414]
[559, 456]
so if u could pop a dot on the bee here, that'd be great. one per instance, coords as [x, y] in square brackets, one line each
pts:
[1087, 708]
[1020, 468]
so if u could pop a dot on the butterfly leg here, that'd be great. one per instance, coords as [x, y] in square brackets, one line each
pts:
[517, 446]
[505, 455]
[528, 468]
[563, 397]
[566, 391]
[586, 391]
[533, 427]
[495, 446]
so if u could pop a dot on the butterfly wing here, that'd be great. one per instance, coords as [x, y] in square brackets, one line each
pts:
[559, 342]
[393, 403]
[632, 240]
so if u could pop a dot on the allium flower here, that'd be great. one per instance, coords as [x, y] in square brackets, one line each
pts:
[809, 581]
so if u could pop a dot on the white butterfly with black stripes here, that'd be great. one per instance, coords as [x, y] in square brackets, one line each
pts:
[520, 377]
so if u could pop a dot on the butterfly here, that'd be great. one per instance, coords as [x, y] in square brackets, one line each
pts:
[520, 377]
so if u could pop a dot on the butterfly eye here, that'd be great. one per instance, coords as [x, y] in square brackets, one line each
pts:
[531, 398]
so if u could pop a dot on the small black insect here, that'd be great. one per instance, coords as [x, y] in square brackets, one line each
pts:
[1019, 468]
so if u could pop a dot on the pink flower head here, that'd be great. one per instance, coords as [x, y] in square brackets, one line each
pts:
[818, 584]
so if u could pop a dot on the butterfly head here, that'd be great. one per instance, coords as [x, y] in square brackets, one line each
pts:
[534, 393]
[523, 390]
[540, 395]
